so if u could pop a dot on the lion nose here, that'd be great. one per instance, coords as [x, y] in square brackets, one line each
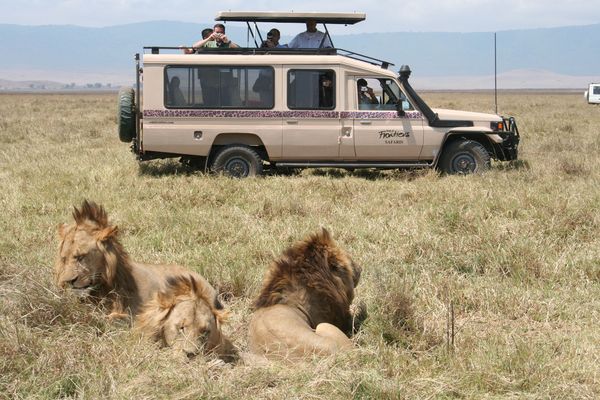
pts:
[71, 283]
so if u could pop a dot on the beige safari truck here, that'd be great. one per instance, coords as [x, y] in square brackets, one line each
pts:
[247, 110]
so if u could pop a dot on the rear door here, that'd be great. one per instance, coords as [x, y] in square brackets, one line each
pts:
[311, 124]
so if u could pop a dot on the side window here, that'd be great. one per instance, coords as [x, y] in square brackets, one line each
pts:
[369, 93]
[219, 87]
[311, 89]
[380, 94]
[596, 89]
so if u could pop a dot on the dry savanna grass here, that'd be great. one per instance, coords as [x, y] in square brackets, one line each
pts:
[514, 253]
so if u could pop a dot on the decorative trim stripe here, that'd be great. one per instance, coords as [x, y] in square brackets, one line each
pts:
[380, 115]
[280, 114]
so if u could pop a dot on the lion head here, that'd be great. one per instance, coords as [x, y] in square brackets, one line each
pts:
[316, 276]
[186, 315]
[89, 253]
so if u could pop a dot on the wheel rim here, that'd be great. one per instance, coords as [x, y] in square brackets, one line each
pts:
[464, 163]
[237, 167]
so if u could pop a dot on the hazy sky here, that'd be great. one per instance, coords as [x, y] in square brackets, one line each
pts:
[382, 15]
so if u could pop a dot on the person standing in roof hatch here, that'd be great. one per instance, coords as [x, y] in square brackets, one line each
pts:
[217, 39]
[272, 41]
[311, 38]
[205, 34]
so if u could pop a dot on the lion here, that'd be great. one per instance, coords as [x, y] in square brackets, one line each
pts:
[183, 316]
[304, 305]
[92, 262]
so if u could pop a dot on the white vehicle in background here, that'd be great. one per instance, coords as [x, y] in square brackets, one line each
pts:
[592, 95]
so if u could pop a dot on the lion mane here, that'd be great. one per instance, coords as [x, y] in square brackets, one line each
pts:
[107, 271]
[304, 304]
[185, 315]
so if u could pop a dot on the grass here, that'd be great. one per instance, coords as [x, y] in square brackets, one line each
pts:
[516, 251]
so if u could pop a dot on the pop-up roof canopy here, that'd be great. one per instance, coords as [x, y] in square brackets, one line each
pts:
[283, 17]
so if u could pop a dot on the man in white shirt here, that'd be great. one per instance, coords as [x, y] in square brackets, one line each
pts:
[311, 39]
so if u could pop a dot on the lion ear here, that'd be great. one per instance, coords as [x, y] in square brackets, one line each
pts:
[62, 230]
[107, 233]
[221, 315]
[325, 237]
[164, 300]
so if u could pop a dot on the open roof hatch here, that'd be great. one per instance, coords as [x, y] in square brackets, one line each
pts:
[289, 17]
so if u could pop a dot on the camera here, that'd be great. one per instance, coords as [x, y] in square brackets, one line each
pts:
[364, 89]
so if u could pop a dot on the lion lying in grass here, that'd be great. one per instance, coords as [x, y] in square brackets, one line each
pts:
[184, 316]
[92, 262]
[304, 305]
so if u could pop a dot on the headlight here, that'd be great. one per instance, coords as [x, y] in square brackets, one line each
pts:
[497, 126]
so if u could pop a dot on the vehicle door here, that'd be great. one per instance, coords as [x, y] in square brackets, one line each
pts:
[380, 132]
[311, 124]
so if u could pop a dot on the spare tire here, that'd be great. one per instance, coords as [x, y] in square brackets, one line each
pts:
[126, 114]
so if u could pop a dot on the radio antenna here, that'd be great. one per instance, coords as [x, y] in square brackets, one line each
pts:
[495, 75]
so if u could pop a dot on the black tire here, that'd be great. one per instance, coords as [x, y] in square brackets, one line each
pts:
[126, 114]
[464, 157]
[238, 161]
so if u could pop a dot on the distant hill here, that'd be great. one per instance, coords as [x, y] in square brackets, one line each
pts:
[80, 54]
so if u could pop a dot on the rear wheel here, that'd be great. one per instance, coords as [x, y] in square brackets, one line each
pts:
[238, 161]
[465, 157]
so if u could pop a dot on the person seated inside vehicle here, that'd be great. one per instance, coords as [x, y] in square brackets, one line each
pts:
[311, 38]
[174, 93]
[326, 92]
[366, 96]
[272, 41]
[264, 87]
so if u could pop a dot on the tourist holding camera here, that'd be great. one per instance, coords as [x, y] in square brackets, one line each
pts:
[366, 96]
[217, 39]
[272, 41]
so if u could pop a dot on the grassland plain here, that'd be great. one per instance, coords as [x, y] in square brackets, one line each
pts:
[516, 251]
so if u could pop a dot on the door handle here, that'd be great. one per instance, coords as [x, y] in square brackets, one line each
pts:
[292, 121]
[365, 122]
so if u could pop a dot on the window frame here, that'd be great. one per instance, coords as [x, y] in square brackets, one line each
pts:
[334, 89]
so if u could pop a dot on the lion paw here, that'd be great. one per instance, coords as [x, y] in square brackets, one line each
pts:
[359, 315]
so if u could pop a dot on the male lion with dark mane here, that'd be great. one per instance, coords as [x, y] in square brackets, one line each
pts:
[92, 262]
[183, 316]
[304, 305]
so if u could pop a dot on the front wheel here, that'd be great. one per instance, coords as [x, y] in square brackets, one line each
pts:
[465, 157]
[238, 161]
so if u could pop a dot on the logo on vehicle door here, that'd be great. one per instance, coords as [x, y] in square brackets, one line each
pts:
[391, 136]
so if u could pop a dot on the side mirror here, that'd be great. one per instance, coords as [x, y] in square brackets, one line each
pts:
[400, 109]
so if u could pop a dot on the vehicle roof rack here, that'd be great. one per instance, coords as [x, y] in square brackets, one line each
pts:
[327, 51]
[290, 17]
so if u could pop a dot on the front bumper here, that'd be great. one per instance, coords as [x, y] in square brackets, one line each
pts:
[508, 149]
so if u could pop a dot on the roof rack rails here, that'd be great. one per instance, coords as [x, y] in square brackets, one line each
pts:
[362, 57]
[284, 50]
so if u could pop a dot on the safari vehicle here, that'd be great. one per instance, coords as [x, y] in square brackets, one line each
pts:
[592, 95]
[242, 111]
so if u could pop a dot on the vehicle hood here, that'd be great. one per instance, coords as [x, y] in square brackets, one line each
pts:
[454, 115]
